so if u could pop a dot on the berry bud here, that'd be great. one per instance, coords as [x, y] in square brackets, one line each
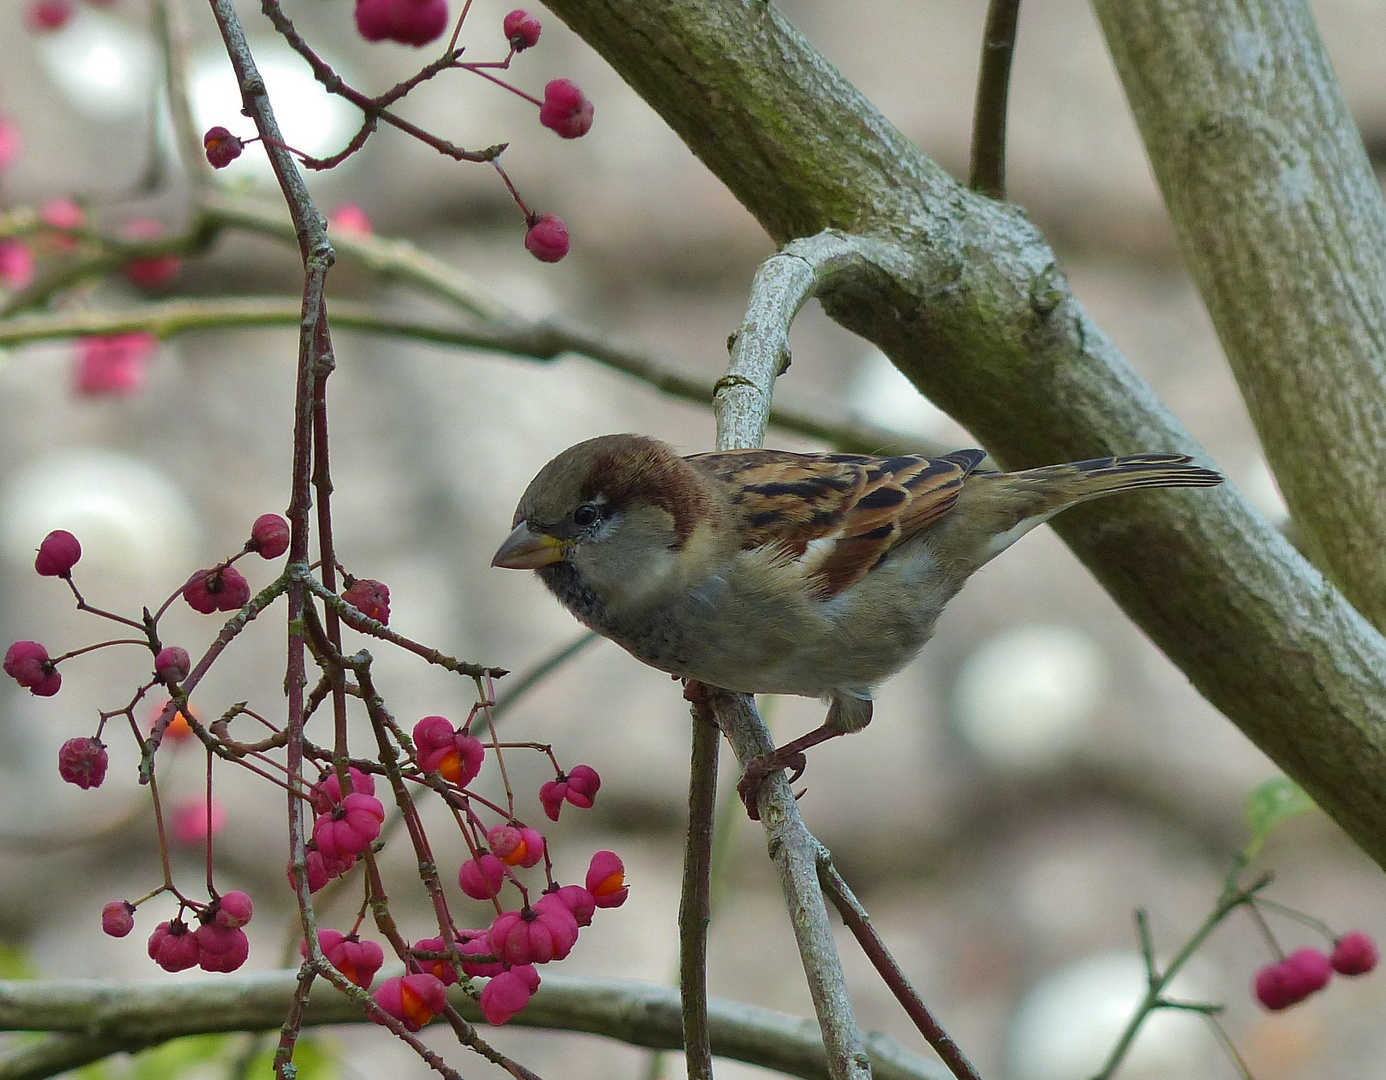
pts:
[328, 791]
[516, 845]
[350, 827]
[370, 598]
[547, 238]
[566, 109]
[221, 147]
[58, 554]
[118, 918]
[173, 663]
[221, 948]
[482, 877]
[219, 589]
[1307, 972]
[173, 947]
[269, 536]
[83, 762]
[27, 663]
[234, 909]
[521, 30]
[1355, 953]
[441, 748]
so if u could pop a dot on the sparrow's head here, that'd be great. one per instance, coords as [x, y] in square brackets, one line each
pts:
[617, 509]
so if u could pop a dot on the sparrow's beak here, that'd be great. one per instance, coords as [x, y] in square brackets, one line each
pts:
[525, 549]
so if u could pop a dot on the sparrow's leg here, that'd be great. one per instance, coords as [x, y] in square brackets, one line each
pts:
[846, 715]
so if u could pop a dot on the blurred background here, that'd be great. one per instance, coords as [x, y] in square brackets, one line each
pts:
[1040, 772]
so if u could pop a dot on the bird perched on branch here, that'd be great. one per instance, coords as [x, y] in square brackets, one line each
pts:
[764, 571]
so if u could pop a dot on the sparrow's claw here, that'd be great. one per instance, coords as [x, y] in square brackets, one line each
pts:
[757, 769]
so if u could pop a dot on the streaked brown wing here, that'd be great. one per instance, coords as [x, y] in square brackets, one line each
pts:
[838, 513]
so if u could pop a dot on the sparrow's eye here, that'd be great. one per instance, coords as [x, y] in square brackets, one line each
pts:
[586, 514]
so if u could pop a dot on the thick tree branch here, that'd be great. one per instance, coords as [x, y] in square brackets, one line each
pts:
[1283, 226]
[979, 316]
[93, 1018]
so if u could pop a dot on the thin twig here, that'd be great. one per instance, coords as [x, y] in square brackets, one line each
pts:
[988, 173]
[859, 922]
[695, 905]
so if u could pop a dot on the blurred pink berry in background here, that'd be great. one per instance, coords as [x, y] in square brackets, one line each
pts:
[349, 218]
[16, 264]
[410, 22]
[116, 365]
[188, 820]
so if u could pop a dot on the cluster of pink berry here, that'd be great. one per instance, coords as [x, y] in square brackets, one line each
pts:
[1307, 971]
[565, 109]
[83, 761]
[516, 940]
[218, 943]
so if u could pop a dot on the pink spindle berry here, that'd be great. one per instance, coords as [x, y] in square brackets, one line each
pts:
[234, 909]
[349, 218]
[221, 948]
[481, 878]
[27, 663]
[350, 827]
[534, 935]
[221, 147]
[606, 879]
[191, 820]
[413, 1000]
[439, 969]
[172, 663]
[578, 787]
[58, 554]
[1355, 953]
[320, 870]
[516, 845]
[370, 598]
[328, 791]
[47, 15]
[16, 264]
[579, 901]
[547, 238]
[521, 30]
[410, 22]
[115, 364]
[118, 918]
[83, 762]
[566, 109]
[1272, 988]
[1308, 971]
[222, 588]
[441, 748]
[173, 946]
[269, 536]
[508, 992]
[357, 960]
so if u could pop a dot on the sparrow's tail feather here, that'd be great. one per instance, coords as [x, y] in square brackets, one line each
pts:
[1005, 506]
[1083, 480]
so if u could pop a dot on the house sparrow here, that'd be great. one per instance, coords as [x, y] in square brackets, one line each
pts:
[764, 571]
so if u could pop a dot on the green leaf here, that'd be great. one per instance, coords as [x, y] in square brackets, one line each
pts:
[1270, 804]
